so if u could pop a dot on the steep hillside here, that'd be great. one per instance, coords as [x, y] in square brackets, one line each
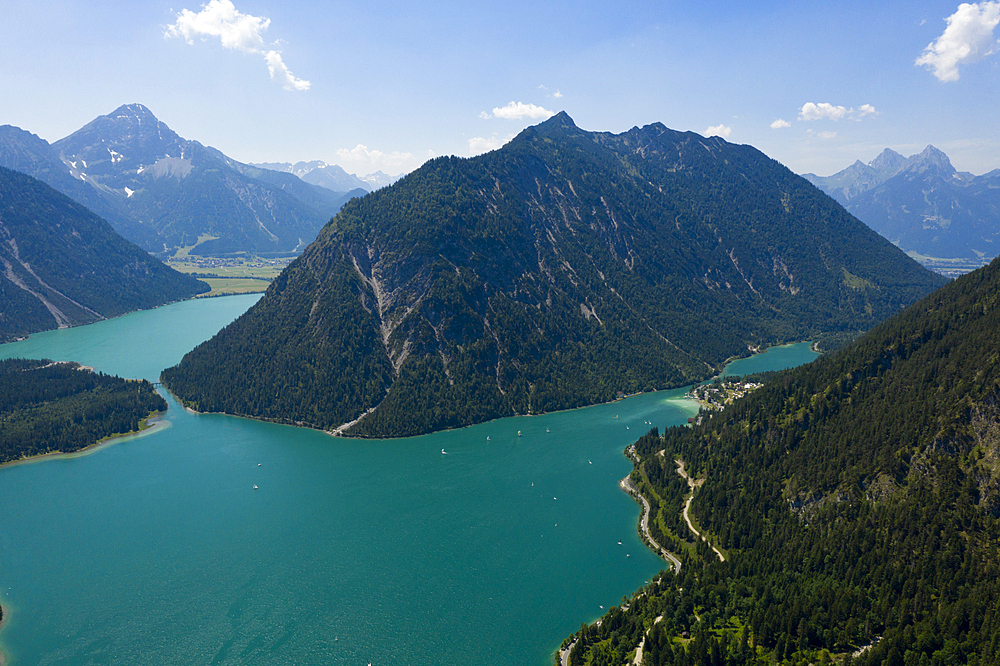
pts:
[61, 265]
[29, 154]
[856, 501]
[164, 192]
[556, 272]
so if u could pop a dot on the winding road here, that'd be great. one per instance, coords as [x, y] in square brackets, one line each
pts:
[627, 485]
[692, 484]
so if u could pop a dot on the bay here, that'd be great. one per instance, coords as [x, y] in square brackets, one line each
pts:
[488, 544]
[772, 358]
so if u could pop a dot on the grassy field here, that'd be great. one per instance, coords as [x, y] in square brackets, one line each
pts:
[182, 252]
[224, 286]
[230, 276]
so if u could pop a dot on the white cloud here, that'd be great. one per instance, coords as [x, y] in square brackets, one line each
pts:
[219, 18]
[719, 130]
[479, 145]
[236, 31]
[827, 135]
[276, 67]
[811, 111]
[864, 110]
[825, 110]
[779, 124]
[519, 110]
[361, 159]
[967, 39]
[556, 94]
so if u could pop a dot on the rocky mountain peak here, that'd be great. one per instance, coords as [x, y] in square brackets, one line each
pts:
[930, 159]
[136, 113]
[887, 163]
[127, 139]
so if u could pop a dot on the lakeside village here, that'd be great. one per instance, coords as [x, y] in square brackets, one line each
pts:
[718, 393]
[231, 262]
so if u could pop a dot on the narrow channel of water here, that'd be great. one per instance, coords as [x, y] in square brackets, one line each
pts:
[469, 546]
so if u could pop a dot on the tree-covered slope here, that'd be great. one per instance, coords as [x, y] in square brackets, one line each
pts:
[553, 273]
[164, 192]
[856, 500]
[61, 265]
[47, 407]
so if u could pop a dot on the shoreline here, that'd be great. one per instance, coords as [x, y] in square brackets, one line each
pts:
[338, 431]
[333, 432]
[3, 621]
[647, 538]
[103, 318]
[154, 423]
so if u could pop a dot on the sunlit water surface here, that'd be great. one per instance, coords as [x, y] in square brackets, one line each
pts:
[469, 546]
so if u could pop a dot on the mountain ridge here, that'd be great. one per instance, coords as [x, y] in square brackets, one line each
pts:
[922, 203]
[165, 192]
[62, 265]
[551, 273]
[331, 176]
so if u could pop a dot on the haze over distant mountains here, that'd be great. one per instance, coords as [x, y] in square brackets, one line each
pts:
[552, 273]
[922, 203]
[164, 192]
[330, 176]
[62, 265]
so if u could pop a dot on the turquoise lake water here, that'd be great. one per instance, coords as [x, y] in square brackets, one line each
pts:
[772, 358]
[156, 549]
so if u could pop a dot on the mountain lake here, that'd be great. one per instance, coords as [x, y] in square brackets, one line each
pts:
[220, 540]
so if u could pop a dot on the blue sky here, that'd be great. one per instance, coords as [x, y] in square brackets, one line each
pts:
[386, 85]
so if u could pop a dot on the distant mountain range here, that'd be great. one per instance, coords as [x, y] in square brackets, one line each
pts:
[558, 271]
[164, 192]
[330, 176]
[62, 265]
[922, 204]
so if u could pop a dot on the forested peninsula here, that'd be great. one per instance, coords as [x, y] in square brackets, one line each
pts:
[557, 272]
[855, 499]
[48, 407]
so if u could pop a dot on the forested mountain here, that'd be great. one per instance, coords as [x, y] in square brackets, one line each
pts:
[555, 272]
[163, 192]
[62, 265]
[47, 407]
[856, 501]
[922, 203]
